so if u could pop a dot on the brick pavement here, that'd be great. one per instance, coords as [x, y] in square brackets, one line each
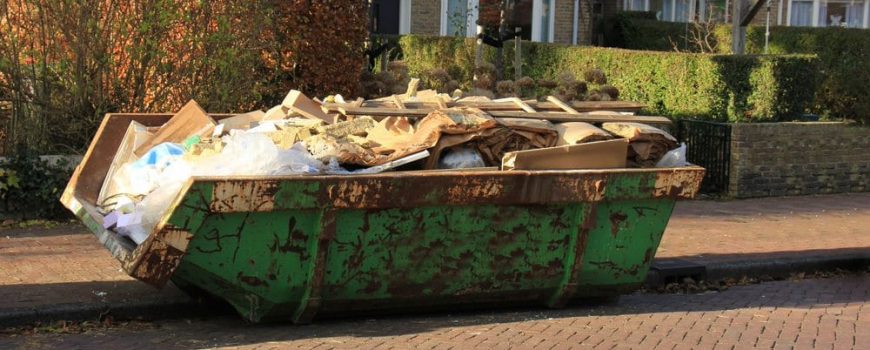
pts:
[67, 266]
[805, 314]
[713, 231]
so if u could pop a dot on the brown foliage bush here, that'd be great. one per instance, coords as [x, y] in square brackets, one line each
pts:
[66, 63]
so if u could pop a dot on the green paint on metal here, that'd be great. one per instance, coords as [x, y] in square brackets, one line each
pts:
[256, 260]
[624, 186]
[266, 263]
[622, 244]
[297, 194]
[439, 251]
[192, 210]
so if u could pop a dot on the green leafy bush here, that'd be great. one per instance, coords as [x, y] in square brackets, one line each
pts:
[31, 187]
[713, 87]
[844, 62]
[844, 57]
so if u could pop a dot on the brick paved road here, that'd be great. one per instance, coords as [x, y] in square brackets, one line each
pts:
[808, 314]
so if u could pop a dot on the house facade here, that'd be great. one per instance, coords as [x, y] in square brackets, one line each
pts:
[555, 21]
[575, 21]
[797, 13]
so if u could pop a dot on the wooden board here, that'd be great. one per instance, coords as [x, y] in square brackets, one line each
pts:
[297, 102]
[580, 106]
[189, 121]
[598, 117]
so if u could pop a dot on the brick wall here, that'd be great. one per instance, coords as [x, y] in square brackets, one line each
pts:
[564, 21]
[777, 159]
[426, 17]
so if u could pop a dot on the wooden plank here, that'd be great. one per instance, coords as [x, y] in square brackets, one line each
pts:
[581, 117]
[297, 102]
[598, 117]
[412, 87]
[189, 121]
[580, 106]
[555, 100]
[398, 102]
[519, 103]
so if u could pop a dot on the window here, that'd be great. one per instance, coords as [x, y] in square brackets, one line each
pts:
[828, 13]
[543, 12]
[458, 17]
[636, 5]
[801, 13]
[678, 10]
[841, 14]
[533, 17]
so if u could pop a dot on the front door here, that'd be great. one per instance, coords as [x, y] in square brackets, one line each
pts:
[385, 16]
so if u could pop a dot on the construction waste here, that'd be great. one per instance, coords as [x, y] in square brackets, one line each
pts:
[422, 131]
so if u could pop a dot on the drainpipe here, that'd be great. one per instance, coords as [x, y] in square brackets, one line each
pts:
[576, 20]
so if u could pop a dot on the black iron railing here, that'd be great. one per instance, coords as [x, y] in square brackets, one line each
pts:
[708, 145]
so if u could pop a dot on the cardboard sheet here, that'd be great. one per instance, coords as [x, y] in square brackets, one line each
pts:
[396, 137]
[648, 144]
[509, 135]
[592, 155]
[572, 133]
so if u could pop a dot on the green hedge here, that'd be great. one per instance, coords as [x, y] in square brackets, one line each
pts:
[844, 61]
[712, 87]
[844, 57]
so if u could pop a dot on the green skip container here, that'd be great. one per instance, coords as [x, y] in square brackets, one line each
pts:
[292, 248]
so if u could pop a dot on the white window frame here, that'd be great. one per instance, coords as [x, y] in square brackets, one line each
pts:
[470, 25]
[404, 17]
[626, 5]
[702, 11]
[817, 5]
[537, 8]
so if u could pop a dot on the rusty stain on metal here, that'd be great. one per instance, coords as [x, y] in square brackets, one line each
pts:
[244, 195]
[177, 238]
[474, 187]
[251, 280]
[616, 219]
[678, 183]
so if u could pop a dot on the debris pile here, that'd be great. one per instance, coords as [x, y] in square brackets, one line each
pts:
[417, 130]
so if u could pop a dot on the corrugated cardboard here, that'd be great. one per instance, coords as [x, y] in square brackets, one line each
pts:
[592, 155]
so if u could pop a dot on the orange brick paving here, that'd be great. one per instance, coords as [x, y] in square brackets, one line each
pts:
[807, 314]
[737, 229]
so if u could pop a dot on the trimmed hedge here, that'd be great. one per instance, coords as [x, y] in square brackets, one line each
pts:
[844, 61]
[712, 87]
[844, 57]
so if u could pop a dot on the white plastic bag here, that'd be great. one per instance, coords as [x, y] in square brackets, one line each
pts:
[461, 157]
[674, 158]
[245, 154]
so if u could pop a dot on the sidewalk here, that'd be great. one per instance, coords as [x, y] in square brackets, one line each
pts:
[65, 273]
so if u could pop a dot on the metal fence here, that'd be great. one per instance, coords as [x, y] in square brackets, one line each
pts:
[708, 145]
